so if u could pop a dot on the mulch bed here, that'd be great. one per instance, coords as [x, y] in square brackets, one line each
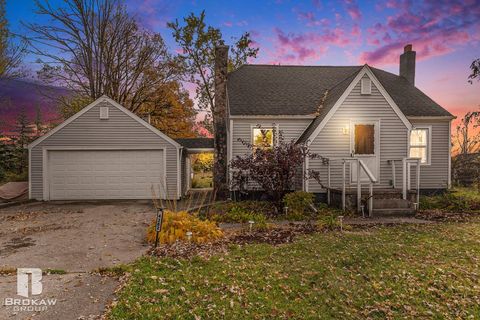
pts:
[273, 236]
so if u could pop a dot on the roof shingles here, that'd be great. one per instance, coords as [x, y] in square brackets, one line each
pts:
[298, 90]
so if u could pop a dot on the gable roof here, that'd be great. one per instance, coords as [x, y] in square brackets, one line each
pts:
[104, 98]
[298, 90]
[196, 143]
[411, 100]
[331, 98]
[281, 90]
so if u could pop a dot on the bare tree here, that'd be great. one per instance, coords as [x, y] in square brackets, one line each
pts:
[11, 51]
[467, 140]
[94, 47]
[198, 42]
[475, 67]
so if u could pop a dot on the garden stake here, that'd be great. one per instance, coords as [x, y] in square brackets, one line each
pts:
[341, 222]
[251, 225]
[285, 210]
[189, 236]
[363, 210]
[158, 224]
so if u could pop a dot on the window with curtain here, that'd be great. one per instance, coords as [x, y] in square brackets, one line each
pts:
[419, 139]
[364, 139]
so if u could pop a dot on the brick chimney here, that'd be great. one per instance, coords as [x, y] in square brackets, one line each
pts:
[220, 123]
[407, 64]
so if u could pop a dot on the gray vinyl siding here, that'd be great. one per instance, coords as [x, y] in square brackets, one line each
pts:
[435, 175]
[242, 129]
[332, 143]
[120, 130]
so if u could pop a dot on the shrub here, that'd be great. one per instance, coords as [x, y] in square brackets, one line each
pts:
[455, 201]
[273, 169]
[177, 224]
[266, 208]
[238, 214]
[299, 205]
[328, 222]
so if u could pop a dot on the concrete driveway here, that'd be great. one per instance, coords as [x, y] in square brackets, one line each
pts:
[72, 237]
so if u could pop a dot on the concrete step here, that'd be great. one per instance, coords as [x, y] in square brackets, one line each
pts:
[391, 203]
[393, 212]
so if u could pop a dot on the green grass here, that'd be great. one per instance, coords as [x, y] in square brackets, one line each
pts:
[55, 271]
[202, 180]
[455, 200]
[428, 271]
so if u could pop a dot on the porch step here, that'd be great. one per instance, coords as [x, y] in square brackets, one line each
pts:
[393, 212]
[393, 207]
[391, 204]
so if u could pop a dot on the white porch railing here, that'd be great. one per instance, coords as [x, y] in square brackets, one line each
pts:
[406, 175]
[360, 167]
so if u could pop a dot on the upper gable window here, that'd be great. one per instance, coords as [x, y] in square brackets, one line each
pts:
[103, 112]
[366, 86]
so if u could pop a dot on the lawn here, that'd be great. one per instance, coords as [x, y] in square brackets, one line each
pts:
[409, 271]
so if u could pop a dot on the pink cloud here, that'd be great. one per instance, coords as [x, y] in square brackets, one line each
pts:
[308, 46]
[437, 45]
[353, 10]
[434, 28]
[356, 32]
[311, 20]
[228, 24]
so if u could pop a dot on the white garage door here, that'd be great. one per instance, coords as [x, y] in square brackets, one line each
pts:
[104, 174]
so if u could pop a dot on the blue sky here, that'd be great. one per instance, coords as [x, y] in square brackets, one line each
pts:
[445, 34]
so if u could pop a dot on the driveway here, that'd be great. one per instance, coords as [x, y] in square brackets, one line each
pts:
[72, 237]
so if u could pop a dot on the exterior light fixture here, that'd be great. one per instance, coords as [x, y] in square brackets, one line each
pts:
[346, 130]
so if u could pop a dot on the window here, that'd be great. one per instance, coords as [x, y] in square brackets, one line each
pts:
[419, 144]
[364, 139]
[262, 138]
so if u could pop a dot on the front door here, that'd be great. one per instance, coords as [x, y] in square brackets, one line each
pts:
[365, 143]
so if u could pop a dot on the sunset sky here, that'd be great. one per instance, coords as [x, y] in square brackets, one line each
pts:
[445, 34]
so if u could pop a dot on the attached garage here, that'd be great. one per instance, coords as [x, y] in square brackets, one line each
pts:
[104, 152]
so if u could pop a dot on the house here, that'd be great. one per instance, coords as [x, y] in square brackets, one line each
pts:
[375, 129]
[346, 114]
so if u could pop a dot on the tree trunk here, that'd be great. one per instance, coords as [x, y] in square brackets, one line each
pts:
[220, 184]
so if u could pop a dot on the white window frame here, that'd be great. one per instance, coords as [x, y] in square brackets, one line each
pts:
[260, 126]
[429, 143]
